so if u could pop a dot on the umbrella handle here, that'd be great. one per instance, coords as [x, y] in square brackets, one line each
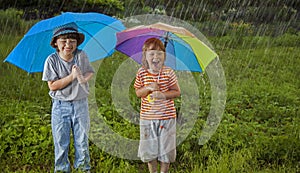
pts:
[165, 43]
[76, 58]
[83, 86]
[166, 40]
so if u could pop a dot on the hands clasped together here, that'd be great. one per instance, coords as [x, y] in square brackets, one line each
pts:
[155, 93]
[76, 73]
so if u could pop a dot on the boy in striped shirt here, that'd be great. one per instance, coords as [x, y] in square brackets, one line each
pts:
[157, 86]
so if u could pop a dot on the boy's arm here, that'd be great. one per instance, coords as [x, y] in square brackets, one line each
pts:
[88, 76]
[61, 83]
[85, 78]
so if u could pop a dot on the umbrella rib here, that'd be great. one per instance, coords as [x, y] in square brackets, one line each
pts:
[116, 29]
[106, 25]
[95, 40]
[187, 45]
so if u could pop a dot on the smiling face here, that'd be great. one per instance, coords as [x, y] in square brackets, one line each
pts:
[155, 59]
[153, 55]
[66, 45]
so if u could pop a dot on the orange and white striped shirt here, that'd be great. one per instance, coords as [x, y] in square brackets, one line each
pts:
[158, 109]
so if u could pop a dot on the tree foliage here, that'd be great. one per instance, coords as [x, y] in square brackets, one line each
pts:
[250, 11]
[40, 9]
[255, 11]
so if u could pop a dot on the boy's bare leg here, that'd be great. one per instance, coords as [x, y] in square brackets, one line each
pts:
[164, 167]
[152, 165]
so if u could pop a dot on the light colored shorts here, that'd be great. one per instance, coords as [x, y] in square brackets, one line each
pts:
[157, 140]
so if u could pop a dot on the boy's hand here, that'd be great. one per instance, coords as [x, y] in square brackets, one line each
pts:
[76, 72]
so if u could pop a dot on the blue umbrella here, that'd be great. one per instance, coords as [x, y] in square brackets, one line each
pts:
[100, 39]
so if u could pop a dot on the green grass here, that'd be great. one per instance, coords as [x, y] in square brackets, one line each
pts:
[259, 131]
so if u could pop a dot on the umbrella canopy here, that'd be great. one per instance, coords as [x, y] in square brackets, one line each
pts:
[100, 39]
[184, 50]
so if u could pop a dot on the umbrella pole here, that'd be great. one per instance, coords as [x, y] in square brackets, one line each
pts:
[166, 40]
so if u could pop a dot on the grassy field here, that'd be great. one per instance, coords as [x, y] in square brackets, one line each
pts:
[259, 132]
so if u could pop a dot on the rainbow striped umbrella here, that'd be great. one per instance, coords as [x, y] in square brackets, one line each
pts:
[184, 50]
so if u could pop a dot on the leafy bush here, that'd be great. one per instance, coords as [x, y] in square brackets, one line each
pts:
[11, 22]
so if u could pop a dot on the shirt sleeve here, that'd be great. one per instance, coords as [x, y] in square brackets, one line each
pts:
[138, 80]
[172, 77]
[50, 71]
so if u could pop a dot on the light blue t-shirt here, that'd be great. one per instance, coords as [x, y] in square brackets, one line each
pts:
[56, 68]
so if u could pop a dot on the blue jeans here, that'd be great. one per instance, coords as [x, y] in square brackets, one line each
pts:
[67, 116]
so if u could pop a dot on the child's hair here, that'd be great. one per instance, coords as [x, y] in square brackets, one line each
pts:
[66, 36]
[152, 44]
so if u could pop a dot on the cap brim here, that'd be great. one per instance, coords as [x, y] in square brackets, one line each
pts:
[80, 38]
